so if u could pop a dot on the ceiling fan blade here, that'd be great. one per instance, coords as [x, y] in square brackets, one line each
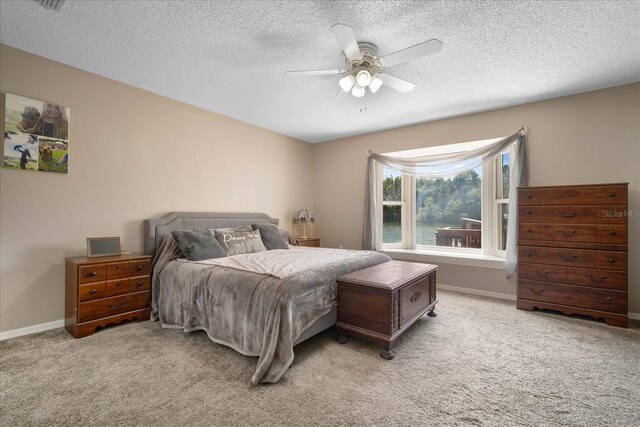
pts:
[347, 41]
[397, 83]
[418, 51]
[314, 72]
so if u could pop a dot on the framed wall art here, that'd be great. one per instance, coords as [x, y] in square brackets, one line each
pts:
[36, 135]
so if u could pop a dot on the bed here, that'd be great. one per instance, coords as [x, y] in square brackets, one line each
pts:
[260, 304]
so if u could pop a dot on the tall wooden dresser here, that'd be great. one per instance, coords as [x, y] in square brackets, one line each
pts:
[105, 290]
[572, 250]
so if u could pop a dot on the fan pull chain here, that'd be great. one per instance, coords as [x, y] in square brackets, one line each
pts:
[363, 104]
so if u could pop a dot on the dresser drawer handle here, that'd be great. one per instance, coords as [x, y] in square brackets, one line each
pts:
[528, 212]
[139, 268]
[93, 274]
[612, 233]
[529, 254]
[590, 277]
[608, 300]
[571, 234]
[535, 292]
[529, 230]
[612, 194]
[115, 307]
[93, 291]
[541, 272]
[570, 214]
[138, 284]
[528, 196]
[568, 257]
[612, 260]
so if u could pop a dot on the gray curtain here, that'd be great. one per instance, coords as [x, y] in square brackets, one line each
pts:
[444, 166]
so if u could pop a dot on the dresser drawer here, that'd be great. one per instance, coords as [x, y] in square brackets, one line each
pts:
[568, 257]
[574, 214]
[111, 306]
[612, 214]
[117, 271]
[528, 231]
[414, 298]
[576, 296]
[614, 234]
[545, 273]
[528, 214]
[528, 196]
[125, 286]
[92, 273]
[569, 196]
[597, 278]
[568, 233]
[139, 268]
[612, 260]
[528, 254]
[612, 195]
[91, 291]
[117, 287]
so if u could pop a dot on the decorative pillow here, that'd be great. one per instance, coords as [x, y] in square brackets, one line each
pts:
[240, 242]
[271, 236]
[288, 237]
[197, 245]
[233, 229]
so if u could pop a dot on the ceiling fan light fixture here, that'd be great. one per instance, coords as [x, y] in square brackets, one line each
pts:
[375, 84]
[347, 82]
[363, 78]
[357, 91]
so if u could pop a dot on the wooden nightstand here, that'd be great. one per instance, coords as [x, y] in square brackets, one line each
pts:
[105, 290]
[310, 242]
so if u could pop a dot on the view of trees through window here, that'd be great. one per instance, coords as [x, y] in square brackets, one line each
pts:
[442, 203]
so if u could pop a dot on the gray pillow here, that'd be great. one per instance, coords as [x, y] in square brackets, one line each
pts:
[197, 245]
[240, 242]
[271, 236]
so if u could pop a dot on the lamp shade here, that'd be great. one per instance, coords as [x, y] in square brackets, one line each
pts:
[347, 82]
[375, 84]
[363, 78]
[357, 91]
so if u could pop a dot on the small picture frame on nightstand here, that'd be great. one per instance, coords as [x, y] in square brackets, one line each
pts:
[103, 246]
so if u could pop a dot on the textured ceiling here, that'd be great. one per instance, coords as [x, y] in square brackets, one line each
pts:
[230, 56]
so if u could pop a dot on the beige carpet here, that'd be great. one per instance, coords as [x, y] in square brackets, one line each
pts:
[480, 362]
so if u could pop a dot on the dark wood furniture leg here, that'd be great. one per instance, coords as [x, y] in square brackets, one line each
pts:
[342, 339]
[387, 352]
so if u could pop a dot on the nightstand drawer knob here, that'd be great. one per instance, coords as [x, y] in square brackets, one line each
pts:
[612, 194]
[140, 268]
[93, 274]
[139, 284]
[612, 232]
[93, 291]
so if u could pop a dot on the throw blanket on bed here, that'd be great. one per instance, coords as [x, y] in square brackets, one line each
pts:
[284, 263]
[257, 314]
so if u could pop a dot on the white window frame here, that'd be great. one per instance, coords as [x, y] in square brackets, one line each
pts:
[491, 229]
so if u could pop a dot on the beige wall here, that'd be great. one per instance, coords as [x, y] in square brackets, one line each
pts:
[586, 138]
[133, 155]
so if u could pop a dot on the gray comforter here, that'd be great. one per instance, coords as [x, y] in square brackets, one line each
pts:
[257, 314]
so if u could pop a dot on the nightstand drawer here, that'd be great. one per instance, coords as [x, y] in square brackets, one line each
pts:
[117, 271]
[139, 268]
[91, 291]
[125, 286]
[110, 306]
[92, 273]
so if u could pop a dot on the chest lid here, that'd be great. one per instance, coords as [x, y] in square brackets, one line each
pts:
[389, 275]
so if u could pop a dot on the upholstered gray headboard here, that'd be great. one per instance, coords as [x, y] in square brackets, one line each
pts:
[156, 229]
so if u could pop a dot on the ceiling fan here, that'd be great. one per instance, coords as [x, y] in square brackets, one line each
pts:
[365, 68]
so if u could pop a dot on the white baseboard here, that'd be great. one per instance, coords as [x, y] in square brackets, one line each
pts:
[472, 291]
[499, 295]
[31, 329]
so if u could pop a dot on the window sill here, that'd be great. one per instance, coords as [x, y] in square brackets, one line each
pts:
[442, 257]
